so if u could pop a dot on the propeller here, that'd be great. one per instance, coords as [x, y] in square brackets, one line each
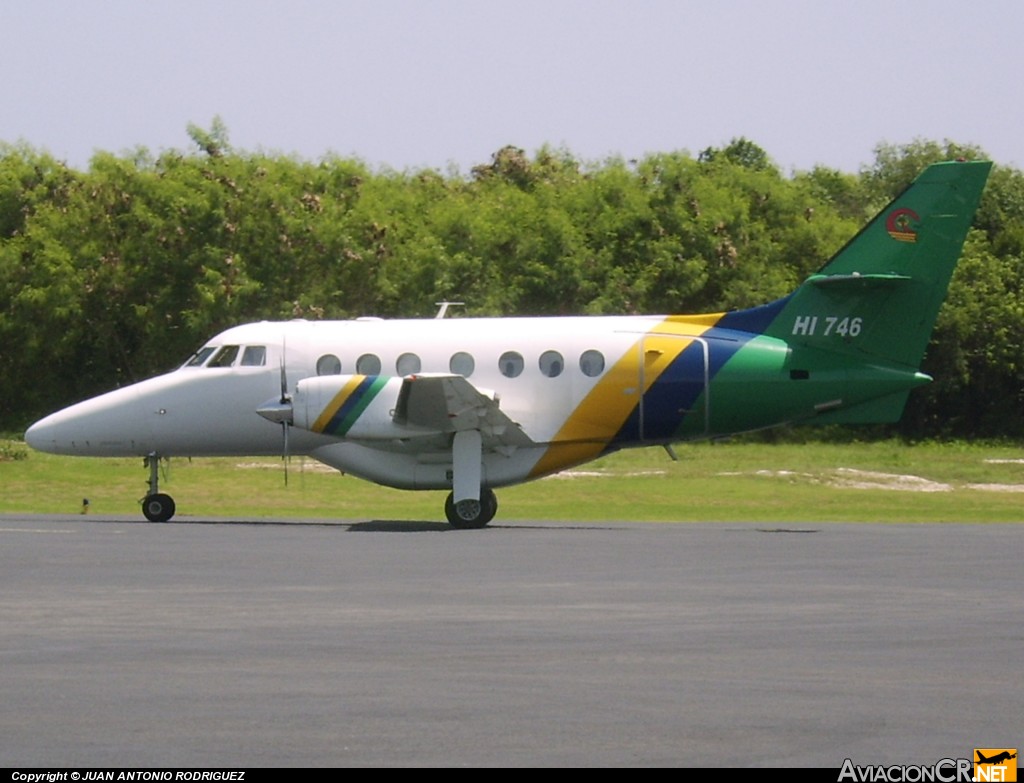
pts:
[279, 411]
[285, 402]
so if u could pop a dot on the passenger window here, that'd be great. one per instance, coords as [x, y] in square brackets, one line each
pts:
[407, 364]
[225, 357]
[551, 364]
[254, 356]
[368, 364]
[511, 364]
[200, 356]
[592, 363]
[328, 364]
[462, 364]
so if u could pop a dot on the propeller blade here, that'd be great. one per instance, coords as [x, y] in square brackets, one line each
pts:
[284, 371]
[286, 456]
[286, 402]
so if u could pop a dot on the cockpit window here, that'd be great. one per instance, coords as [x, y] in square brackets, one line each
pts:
[200, 356]
[254, 356]
[225, 357]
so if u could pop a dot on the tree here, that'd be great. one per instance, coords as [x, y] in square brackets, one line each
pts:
[120, 271]
[214, 142]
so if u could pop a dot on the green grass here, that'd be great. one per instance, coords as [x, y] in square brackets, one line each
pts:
[734, 481]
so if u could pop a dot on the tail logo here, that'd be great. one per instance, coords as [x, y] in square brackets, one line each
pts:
[902, 224]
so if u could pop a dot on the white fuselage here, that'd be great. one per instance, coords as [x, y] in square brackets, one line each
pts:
[539, 370]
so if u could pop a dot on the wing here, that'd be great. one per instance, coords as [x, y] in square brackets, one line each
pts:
[450, 403]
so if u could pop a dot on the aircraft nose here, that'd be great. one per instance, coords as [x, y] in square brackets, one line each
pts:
[40, 435]
[106, 426]
[58, 433]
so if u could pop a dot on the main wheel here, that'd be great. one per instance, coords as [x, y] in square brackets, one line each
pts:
[158, 508]
[490, 503]
[471, 514]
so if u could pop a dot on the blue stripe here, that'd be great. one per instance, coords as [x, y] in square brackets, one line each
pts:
[679, 388]
[346, 407]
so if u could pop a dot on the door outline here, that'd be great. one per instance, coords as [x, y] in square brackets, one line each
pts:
[647, 351]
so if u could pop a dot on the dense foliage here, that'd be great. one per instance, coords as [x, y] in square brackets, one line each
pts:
[113, 274]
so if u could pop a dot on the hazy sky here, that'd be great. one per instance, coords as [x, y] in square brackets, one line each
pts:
[444, 83]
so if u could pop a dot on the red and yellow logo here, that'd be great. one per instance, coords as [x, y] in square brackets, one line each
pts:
[902, 224]
[995, 764]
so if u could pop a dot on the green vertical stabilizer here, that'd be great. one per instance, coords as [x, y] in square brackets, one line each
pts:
[879, 296]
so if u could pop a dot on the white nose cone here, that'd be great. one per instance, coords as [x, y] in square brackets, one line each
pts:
[40, 435]
[108, 425]
[196, 412]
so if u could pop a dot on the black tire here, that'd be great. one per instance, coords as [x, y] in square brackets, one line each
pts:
[158, 508]
[485, 511]
[490, 503]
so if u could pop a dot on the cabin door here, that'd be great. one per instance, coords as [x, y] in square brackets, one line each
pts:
[674, 376]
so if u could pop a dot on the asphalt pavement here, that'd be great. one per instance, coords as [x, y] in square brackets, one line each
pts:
[206, 642]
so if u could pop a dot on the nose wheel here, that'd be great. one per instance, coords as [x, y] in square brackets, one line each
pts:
[471, 514]
[156, 506]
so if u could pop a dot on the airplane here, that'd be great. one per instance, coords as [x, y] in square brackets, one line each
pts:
[996, 759]
[474, 404]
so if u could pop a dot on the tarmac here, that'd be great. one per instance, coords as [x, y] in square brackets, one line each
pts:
[312, 643]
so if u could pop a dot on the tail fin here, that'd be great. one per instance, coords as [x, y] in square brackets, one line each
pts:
[879, 296]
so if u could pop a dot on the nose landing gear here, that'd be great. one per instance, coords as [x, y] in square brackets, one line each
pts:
[156, 506]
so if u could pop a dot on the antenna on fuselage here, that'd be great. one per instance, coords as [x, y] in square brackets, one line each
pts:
[443, 311]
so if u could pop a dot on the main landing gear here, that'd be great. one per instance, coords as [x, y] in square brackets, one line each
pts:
[469, 505]
[470, 514]
[156, 506]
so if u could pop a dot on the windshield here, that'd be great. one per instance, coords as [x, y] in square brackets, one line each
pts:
[227, 356]
[200, 356]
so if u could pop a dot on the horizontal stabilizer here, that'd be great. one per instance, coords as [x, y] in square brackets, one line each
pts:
[856, 281]
[884, 410]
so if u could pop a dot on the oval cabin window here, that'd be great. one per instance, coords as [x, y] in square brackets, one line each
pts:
[551, 364]
[462, 364]
[408, 364]
[511, 364]
[368, 364]
[328, 364]
[592, 363]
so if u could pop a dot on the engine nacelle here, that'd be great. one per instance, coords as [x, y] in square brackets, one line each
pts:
[352, 406]
[379, 407]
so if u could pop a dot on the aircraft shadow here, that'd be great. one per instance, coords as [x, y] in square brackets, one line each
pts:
[398, 526]
[359, 526]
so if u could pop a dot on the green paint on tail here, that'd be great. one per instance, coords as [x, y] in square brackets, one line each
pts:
[845, 347]
[878, 298]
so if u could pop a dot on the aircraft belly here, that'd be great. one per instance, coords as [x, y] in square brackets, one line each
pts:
[428, 470]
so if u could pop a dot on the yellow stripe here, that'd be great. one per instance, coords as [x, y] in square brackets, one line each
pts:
[335, 404]
[601, 414]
